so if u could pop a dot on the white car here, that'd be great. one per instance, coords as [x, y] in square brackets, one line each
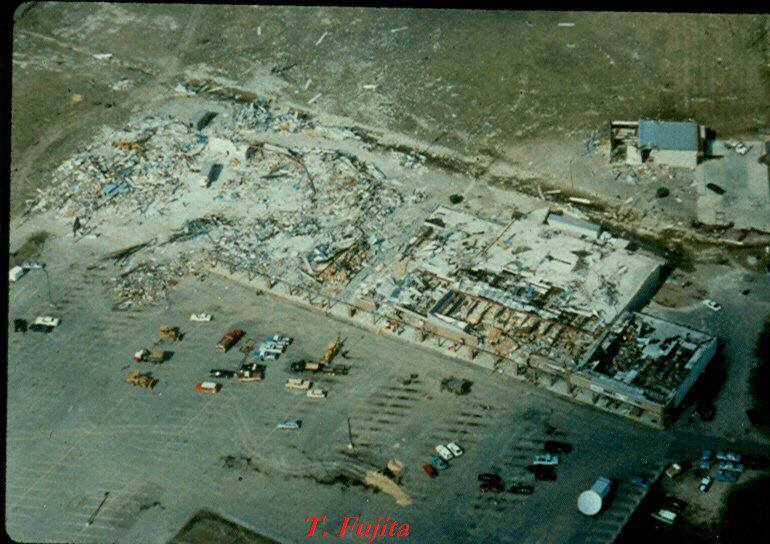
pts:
[289, 424]
[443, 452]
[280, 340]
[705, 484]
[742, 148]
[712, 305]
[316, 393]
[264, 355]
[456, 450]
[271, 346]
[200, 317]
[47, 321]
[32, 265]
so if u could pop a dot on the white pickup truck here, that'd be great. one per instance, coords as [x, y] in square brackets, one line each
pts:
[298, 383]
[45, 324]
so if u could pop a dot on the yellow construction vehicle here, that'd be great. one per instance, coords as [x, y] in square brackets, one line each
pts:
[332, 350]
[170, 333]
[142, 380]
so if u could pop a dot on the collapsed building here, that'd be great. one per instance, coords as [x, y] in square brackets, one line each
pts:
[544, 296]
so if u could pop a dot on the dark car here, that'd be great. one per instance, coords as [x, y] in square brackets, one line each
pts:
[219, 373]
[492, 487]
[555, 447]
[37, 327]
[430, 470]
[20, 325]
[521, 489]
[489, 478]
[545, 473]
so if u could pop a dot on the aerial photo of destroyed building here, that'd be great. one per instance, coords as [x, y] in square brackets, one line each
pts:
[285, 273]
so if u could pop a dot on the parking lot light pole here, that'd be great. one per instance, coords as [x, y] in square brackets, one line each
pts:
[350, 436]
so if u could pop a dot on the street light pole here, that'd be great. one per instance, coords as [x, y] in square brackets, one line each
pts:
[48, 284]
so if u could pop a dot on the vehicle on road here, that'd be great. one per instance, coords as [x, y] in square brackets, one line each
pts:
[289, 424]
[712, 305]
[545, 459]
[430, 470]
[457, 386]
[727, 476]
[298, 383]
[19, 325]
[155, 356]
[316, 393]
[439, 462]
[518, 488]
[142, 380]
[221, 373]
[555, 447]
[489, 477]
[705, 484]
[445, 454]
[171, 334]
[456, 450]
[229, 339]
[200, 317]
[208, 387]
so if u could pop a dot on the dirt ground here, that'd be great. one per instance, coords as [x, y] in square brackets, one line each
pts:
[473, 81]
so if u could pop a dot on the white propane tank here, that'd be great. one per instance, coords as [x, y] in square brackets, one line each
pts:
[590, 502]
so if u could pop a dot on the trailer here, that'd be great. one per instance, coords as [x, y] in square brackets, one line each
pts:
[208, 387]
[229, 340]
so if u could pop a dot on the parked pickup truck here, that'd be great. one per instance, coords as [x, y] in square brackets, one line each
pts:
[230, 339]
[155, 356]
[298, 383]
[208, 387]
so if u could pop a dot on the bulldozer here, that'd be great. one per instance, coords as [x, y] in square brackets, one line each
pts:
[170, 333]
[142, 380]
[332, 350]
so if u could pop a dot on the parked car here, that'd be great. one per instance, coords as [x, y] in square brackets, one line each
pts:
[518, 488]
[220, 373]
[705, 484]
[32, 265]
[280, 340]
[445, 454]
[557, 448]
[674, 470]
[456, 450]
[641, 481]
[269, 345]
[546, 473]
[545, 459]
[492, 488]
[440, 463]
[200, 317]
[265, 355]
[489, 477]
[458, 386]
[665, 516]
[289, 424]
[251, 375]
[208, 387]
[729, 456]
[297, 383]
[430, 471]
[729, 465]
[712, 305]
[316, 393]
[727, 476]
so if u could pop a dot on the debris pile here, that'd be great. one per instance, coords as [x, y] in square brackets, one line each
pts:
[148, 283]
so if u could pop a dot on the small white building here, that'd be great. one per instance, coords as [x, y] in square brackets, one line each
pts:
[671, 143]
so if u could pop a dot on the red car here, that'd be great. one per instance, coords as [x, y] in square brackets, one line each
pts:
[230, 339]
[430, 470]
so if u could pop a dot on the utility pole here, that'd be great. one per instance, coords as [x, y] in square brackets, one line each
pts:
[350, 436]
[48, 284]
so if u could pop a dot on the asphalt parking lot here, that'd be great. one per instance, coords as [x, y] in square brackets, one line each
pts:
[76, 430]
